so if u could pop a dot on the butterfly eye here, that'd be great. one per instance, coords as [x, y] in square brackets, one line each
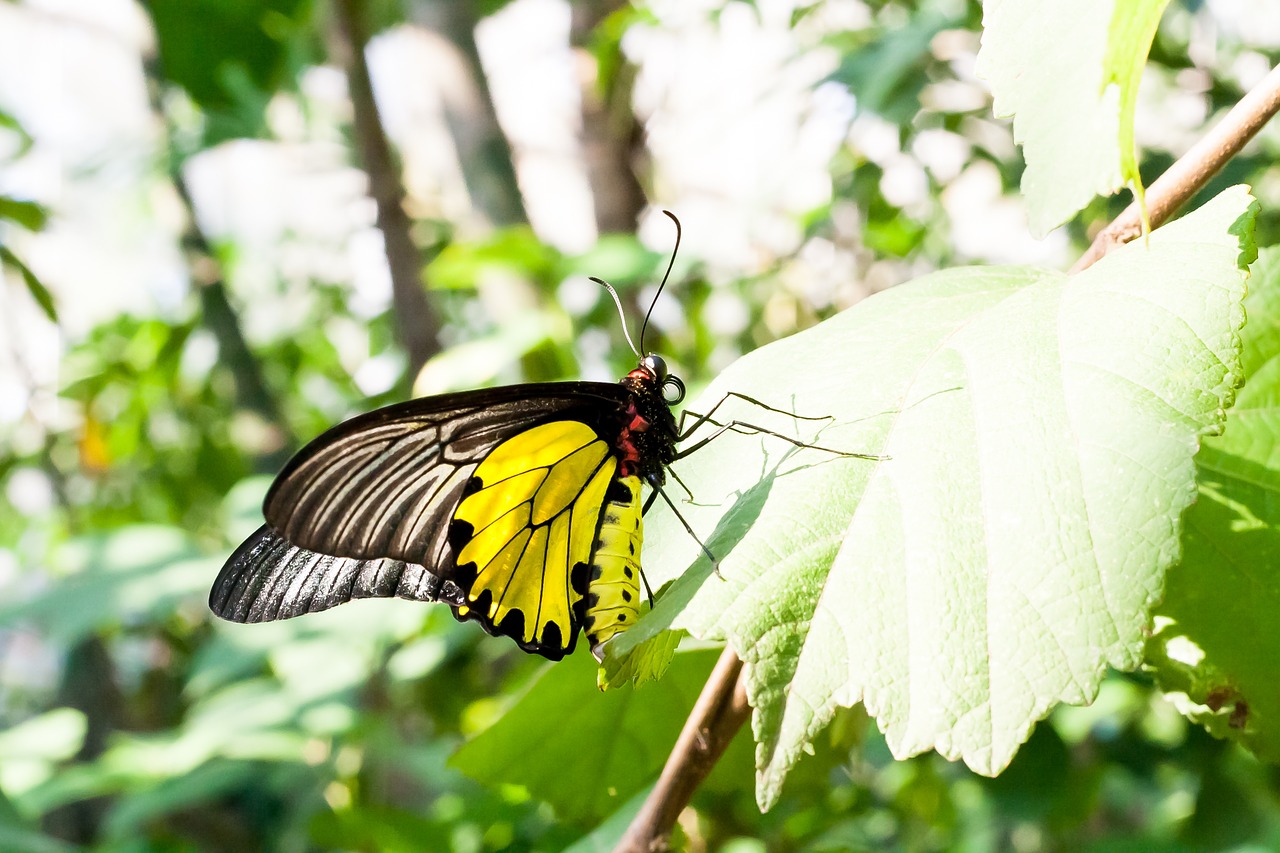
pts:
[676, 394]
[656, 365]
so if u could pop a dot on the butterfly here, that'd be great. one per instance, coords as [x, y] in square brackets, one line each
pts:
[519, 507]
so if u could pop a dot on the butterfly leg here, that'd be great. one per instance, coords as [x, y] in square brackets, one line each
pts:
[745, 428]
[671, 472]
[699, 420]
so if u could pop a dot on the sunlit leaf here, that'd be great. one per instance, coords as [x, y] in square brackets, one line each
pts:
[1040, 431]
[9, 122]
[1067, 71]
[606, 836]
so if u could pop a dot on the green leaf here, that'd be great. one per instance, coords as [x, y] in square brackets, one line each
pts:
[129, 573]
[583, 751]
[35, 287]
[635, 661]
[460, 266]
[134, 811]
[1133, 26]
[1051, 64]
[9, 122]
[15, 838]
[887, 74]
[1216, 647]
[230, 56]
[1040, 431]
[31, 750]
[29, 214]
[606, 836]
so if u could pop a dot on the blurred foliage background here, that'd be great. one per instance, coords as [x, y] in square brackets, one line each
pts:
[226, 225]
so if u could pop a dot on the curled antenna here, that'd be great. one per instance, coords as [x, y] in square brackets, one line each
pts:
[665, 276]
[622, 315]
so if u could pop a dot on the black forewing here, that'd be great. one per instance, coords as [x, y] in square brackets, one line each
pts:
[370, 500]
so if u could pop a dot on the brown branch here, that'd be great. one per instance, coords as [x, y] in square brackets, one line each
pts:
[720, 711]
[1189, 174]
[416, 323]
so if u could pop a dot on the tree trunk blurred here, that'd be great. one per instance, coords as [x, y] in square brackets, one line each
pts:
[416, 321]
[217, 312]
[483, 151]
[89, 685]
[612, 139]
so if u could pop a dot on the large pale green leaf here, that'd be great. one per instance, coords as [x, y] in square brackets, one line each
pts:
[1216, 646]
[1040, 431]
[1067, 71]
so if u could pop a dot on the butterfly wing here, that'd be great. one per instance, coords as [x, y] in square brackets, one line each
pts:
[524, 534]
[374, 507]
[268, 579]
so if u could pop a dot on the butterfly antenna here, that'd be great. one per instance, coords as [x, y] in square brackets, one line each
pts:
[665, 276]
[622, 315]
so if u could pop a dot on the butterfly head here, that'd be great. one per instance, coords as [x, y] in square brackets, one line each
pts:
[655, 369]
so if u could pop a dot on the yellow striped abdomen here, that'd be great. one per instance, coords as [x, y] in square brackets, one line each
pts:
[613, 594]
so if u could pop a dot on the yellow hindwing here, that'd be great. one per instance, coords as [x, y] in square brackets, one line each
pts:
[531, 521]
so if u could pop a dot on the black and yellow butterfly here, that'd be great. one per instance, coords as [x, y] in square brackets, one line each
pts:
[519, 507]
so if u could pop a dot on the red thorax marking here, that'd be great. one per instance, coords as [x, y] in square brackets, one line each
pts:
[635, 422]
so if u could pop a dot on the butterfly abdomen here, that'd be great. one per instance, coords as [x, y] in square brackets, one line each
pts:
[613, 592]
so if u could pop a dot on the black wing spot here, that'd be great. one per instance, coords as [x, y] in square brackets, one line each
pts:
[513, 624]
[473, 485]
[460, 533]
[479, 610]
[551, 637]
[626, 596]
[626, 570]
[618, 493]
[465, 575]
[632, 547]
[622, 617]
[578, 578]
